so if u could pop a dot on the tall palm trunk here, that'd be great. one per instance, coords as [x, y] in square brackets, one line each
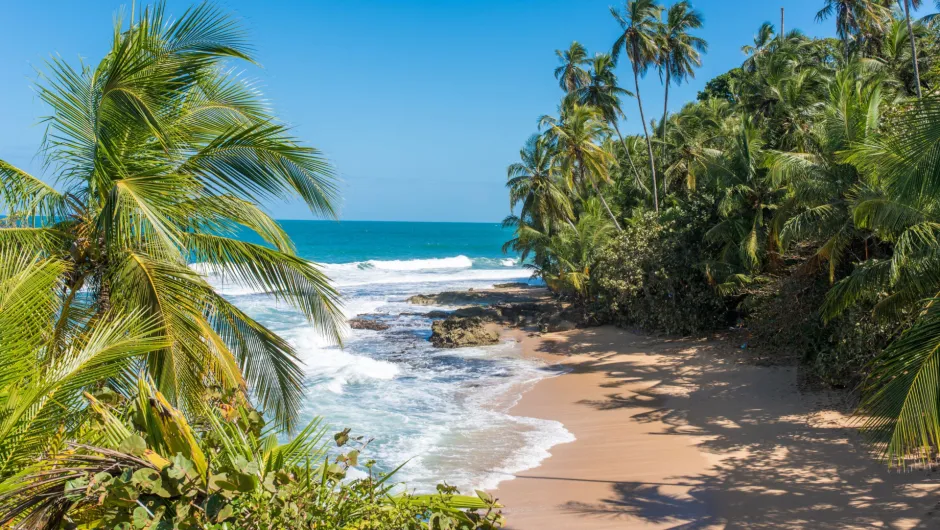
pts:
[649, 146]
[600, 196]
[662, 147]
[910, 36]
[606, 207]
[636, 174]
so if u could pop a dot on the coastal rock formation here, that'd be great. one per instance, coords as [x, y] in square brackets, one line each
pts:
[459, 332]
[367, 323]
[512, 285]
[484, 297]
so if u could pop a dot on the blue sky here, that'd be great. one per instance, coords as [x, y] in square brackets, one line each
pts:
[420, 104]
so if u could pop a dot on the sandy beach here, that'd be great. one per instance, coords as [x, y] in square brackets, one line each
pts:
[688, 434]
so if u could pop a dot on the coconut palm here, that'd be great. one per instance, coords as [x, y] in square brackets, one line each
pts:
[679, 55]
[747, 200]
[571, 74]
[824, 190]
[762, 42]
[855, 19]
[41, 380]
[895, 54]
[638, 23]
[699, 130]
[603, 94]
[786, 92]
[900, 397]
[913, 40]
[583, 161]
[574, 248]
[161, 156]
[534, 181]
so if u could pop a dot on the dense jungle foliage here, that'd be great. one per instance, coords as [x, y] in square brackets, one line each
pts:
[796, 199]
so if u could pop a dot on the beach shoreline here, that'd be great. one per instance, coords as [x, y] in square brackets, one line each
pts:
[688, 433]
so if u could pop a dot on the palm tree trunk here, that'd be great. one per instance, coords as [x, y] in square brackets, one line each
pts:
[606, 207]
[910, 35]
[646, 132]
[599, 196]
[662, 147]
[636, 174]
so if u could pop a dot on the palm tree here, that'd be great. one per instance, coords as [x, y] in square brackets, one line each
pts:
[913, 38]
[762, 43]
[698, 129]
[895, 55]
[638, 23]
[574, 248]
[785, 91]
[679, 55]
[534, 181]
[161, 156]
[823, 191]
[603, 94]
[41, 379]
[900, 397]
[578, 136]
[854, 19]
[747, 199]
[570, 74]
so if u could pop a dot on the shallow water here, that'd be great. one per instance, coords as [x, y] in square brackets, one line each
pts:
[442, 411]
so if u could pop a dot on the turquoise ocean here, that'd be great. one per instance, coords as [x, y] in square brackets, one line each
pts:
[444, 412]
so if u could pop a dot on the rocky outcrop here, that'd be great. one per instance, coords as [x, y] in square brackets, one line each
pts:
[559, 319]
[367, 323]
[459, 332]
[484, 297]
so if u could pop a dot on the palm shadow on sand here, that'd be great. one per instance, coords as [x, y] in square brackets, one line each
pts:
[787, 462]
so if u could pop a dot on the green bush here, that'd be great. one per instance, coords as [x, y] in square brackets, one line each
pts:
[785, 323]
[149, 469]
[650, 275]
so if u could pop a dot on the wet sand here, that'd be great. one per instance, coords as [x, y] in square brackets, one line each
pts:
[686, 434]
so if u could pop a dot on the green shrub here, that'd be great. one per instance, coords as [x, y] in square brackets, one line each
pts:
[650, 275]
[784, 322]
[144, 467]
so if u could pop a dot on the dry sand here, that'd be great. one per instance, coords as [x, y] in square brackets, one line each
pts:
[684, 434]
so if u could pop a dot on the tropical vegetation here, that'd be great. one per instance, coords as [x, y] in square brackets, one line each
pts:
[795, 201]
[132, 394]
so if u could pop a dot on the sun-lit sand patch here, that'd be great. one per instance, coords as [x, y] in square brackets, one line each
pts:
[669, 434]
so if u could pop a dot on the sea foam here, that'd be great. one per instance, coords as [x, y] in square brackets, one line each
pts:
[444, 412]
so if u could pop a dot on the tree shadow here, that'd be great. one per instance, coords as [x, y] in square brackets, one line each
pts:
[782, 457]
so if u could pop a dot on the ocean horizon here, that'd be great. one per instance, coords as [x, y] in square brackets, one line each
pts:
[444, 412]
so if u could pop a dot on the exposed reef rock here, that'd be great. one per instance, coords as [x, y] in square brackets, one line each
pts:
[460, 332]
[367, 323]
[486, 297]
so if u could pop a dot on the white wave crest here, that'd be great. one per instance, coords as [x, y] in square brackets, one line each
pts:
[456, 262]
[384, 272]
[333, 368]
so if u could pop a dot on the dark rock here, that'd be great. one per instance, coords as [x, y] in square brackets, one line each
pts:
[367, 323]
[559, 319]
[458, 332]
[464, 298]
[487, 313]
[422, 299]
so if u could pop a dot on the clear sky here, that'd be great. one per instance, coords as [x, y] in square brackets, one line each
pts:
[420, 104]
